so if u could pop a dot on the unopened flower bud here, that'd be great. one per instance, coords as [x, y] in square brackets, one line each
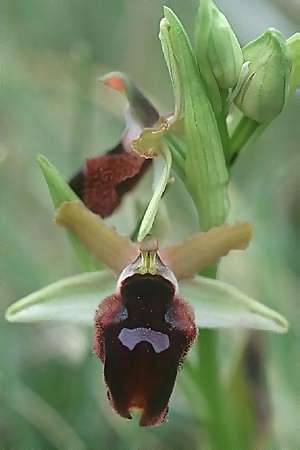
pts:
[293, 44]
[224, 52]
[264, 91]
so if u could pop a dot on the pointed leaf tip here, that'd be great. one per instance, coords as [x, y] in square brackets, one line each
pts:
[220, 305]
[60, 192]
[73, 299]
[59, 189]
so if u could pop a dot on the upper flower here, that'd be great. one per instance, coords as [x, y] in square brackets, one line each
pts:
[103, 180]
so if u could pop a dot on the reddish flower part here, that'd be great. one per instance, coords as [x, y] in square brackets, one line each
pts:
[142, 334]
[105, 179]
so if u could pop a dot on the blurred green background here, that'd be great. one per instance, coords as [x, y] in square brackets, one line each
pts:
[51, 52]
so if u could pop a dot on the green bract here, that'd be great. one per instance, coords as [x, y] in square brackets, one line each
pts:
[205, 167]
[172, 67]
[263, 94]
[61, 192]
[162, 173]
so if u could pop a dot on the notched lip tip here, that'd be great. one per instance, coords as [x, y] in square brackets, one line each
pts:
[140, 417]
[155, 422]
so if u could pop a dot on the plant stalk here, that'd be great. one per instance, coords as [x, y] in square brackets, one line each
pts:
[241, 135]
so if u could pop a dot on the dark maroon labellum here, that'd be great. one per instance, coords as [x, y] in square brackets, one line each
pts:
[142, 334]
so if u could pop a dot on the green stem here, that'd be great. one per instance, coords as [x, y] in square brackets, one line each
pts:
[211, 388]
[241, 135]
[210, 384]
[220, 427]
[222, 125]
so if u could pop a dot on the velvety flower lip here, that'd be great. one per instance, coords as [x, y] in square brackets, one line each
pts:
[142, 334]
[105, 179]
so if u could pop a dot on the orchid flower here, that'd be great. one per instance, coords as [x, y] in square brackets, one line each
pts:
[149, 302]
[104, 180]
[147, 307]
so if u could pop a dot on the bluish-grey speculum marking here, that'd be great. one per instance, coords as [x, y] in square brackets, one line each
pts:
[130, 338]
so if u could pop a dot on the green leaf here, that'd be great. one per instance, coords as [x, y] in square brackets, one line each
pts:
[162, 169]
[61, 192]
[205, 166]
[59, 189]
[172, 67]
[220, 305]
[72, 299]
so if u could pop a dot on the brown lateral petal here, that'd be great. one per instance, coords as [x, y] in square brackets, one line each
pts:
[142, 336]
[203, 249]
